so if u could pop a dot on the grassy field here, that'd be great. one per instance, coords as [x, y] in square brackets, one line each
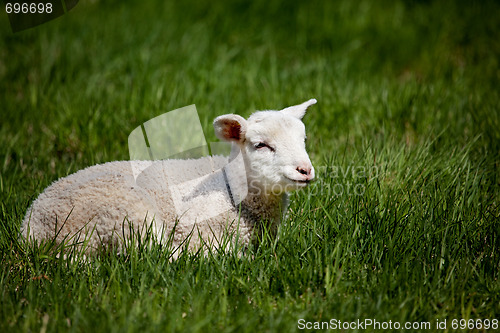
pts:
[402, 225]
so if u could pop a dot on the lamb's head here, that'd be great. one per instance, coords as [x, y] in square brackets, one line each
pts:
[272, 144]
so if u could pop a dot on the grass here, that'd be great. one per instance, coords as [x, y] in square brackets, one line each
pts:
[402, 224]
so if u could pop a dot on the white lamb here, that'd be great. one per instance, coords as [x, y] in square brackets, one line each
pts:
[102, 203]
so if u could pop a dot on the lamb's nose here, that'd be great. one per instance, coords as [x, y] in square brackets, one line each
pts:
[304, 170]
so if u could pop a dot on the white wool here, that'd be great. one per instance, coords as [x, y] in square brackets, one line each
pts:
[204, 197]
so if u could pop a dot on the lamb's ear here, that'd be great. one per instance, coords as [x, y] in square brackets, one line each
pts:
[230, 127]
[298, 111]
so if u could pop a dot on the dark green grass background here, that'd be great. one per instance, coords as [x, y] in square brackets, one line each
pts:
[408, 111]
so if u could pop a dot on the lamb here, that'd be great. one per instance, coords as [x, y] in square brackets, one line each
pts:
[200, 200]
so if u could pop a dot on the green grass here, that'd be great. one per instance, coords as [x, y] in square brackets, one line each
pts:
[408, 116]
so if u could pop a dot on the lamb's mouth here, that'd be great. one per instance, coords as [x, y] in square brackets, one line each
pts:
[299, 181]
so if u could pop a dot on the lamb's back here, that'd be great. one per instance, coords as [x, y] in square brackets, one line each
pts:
[99, 197]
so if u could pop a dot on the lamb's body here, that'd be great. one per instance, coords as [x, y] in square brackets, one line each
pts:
[104, 200]
[186, 197]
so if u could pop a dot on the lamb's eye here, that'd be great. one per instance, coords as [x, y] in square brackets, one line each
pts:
[262, 145]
